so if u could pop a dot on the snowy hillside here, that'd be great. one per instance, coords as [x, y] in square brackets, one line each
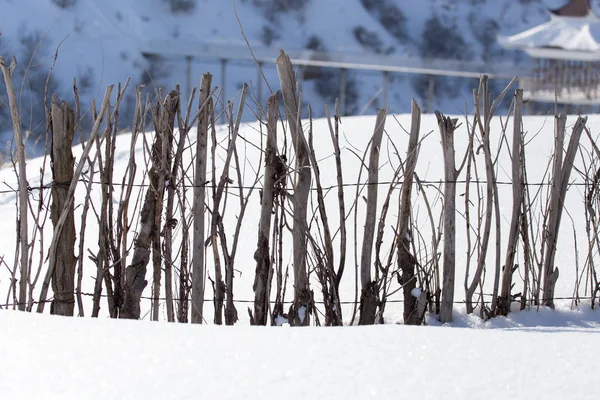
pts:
[101, 43]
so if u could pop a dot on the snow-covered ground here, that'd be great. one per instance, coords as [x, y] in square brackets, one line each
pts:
[46, 357]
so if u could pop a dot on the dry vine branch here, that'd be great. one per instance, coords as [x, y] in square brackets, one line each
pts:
[325, 266]
[22, 232]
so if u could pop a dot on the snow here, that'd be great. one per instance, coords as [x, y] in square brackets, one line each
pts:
[416, 292]
[567, 33]
[302, 314]
[280, 320]
[60, 358]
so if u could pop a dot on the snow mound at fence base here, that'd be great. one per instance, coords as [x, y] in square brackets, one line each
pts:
[104, 358]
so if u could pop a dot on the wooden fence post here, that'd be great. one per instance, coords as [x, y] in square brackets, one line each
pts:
[262, 255]
[447, 127]
[406, 261]
[135, 273]
[515, 223]
[198, 267]
[62, 162]
[560, 182]
[368, 298]
[7, 71]
[300, 311]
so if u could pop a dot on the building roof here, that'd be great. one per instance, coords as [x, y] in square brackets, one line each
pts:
[563, 37]
[574, 8]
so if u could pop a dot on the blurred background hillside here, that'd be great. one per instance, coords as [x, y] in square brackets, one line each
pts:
[101, 42]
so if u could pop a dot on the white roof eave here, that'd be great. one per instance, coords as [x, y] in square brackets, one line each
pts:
[559, 38]
[562, 54]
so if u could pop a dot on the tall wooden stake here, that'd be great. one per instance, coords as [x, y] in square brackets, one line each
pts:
[7, 71]
[447, 127]
[198, 268]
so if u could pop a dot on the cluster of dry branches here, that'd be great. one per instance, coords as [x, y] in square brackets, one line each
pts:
[181, 210]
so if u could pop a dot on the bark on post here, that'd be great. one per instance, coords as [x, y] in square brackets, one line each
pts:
[164, 125]
[262, 255]
[515, 222]
[299, 312]
[406, 261]
[560, 182]
[70, 195]
[7, 72]
[368, 298]
[135, 273]
[447, 127]
[62, 161]
[198, 267]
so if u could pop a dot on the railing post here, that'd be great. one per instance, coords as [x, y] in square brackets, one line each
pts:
[343, 76]
[223, 92]
[188, 76]
[386, 81]
[430, 93]
[259, 82]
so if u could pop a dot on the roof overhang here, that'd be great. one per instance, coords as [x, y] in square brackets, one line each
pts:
[561, 54]
[571, 38]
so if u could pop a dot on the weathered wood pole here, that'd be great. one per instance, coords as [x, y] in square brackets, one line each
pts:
[198, 267]
[300, 310]
[517, 188]
[262, 255]
[62, 161]
[560, 182]
[406, 261]
[447, 127]
[135, 273]
[368, 298]
[7, 72]
[164, 125]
